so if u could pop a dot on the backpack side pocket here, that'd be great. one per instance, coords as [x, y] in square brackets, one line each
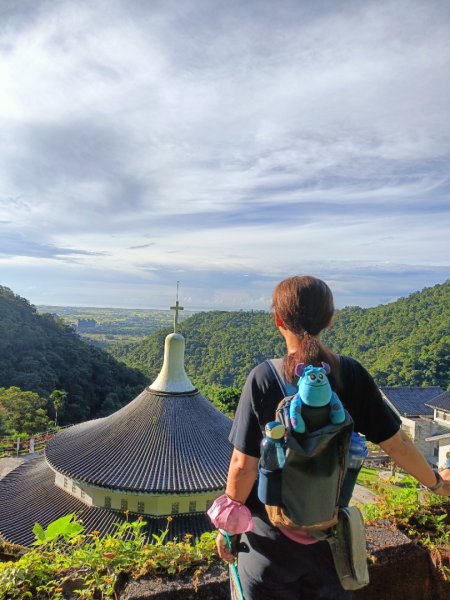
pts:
[269, 487]
[348, 547]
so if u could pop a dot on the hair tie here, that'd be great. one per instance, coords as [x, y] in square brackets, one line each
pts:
[303, 334]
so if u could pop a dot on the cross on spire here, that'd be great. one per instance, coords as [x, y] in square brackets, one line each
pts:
[176, 308]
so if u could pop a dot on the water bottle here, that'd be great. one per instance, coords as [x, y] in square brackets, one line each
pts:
[271, 463]
[356, 455]
[272, 447]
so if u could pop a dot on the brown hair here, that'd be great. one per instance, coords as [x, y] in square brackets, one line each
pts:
[305, 305]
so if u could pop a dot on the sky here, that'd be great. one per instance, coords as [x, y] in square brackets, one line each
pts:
[224, 145]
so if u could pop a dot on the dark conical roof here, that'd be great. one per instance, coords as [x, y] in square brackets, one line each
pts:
[29, 495]
[159, 443]
[168, 440]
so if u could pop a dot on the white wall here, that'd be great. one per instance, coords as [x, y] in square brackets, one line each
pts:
[153, 504]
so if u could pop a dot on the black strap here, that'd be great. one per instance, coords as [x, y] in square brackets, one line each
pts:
[287, 388]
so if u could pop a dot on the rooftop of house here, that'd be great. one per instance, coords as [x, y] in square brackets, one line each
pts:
[411, 401]
[441, 402]
[158, 443]
[167, 440]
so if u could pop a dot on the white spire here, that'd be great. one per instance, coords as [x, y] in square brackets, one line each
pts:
[173, 378]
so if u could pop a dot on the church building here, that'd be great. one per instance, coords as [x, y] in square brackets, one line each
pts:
[165, 453]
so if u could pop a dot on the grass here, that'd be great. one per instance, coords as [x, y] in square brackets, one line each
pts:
[65, 559]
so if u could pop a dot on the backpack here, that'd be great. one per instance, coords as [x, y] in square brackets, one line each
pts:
[304, 494]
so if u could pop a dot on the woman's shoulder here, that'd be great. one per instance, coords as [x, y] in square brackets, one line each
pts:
[355, 379]
[262, 389]
[263, 373]
[350, 366]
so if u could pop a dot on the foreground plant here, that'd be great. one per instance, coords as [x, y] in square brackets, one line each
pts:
[65, 559]
[421, 515]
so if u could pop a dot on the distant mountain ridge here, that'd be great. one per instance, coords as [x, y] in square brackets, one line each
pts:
[406, 342]
[40, 353]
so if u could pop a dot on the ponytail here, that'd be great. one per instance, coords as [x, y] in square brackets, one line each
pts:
[310, 352]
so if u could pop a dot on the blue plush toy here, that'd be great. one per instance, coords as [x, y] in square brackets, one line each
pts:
[314, 390]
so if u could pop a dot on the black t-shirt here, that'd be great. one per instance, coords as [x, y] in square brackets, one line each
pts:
[358, 393]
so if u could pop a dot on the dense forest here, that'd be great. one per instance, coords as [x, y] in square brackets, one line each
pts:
[41, 354]
[406, 342]
[221, 347]
[48, 374]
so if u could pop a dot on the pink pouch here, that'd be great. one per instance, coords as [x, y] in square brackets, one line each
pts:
[230, 515]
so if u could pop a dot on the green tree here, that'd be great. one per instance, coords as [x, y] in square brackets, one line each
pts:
[224, 398]
[24, 411]
[58, 398]
[3, 428]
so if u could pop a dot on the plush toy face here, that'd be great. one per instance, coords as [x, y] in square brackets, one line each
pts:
[313, 386]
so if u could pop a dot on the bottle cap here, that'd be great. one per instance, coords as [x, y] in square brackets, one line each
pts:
[274, 430]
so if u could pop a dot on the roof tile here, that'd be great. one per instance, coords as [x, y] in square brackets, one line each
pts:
[158, 443]
[28, 495]
[411, 401]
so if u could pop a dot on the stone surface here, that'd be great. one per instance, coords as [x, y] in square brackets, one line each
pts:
[399, 570]
[213, 585]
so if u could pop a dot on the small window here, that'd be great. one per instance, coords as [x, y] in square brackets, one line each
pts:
[74, 487]
[82, 494]
[66, 482]
[175, 508]
[107, 501]
[192, 506]
[208, 504]
[141, 507]
[124, 504]
[436, 451]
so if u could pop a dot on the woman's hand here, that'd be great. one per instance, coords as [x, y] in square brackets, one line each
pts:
[403, 452]
[223, 549]
[445, 489]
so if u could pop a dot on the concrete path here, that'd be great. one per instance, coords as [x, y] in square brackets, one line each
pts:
[362, 495]
[10, 463]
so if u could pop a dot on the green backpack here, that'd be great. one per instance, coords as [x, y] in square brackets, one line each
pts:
[307, 489]
[304, 494]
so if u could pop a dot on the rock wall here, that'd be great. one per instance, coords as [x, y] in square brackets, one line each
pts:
[399, 570]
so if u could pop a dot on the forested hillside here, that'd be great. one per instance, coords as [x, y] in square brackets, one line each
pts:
[406, 342]
[221, 347]
[41, 354]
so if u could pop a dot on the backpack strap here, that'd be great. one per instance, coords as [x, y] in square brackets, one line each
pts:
[287, 388]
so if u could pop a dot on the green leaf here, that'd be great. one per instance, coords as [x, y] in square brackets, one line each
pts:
[39, 532]
[58, 527]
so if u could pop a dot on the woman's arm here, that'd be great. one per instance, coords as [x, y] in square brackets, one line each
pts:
[242, 474]
[405, 454]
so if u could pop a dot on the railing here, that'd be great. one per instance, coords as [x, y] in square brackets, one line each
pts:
[17, 446]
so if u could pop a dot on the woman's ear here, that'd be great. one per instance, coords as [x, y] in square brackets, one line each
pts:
[278, 321]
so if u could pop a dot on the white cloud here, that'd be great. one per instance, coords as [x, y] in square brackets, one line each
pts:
[236, 135]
